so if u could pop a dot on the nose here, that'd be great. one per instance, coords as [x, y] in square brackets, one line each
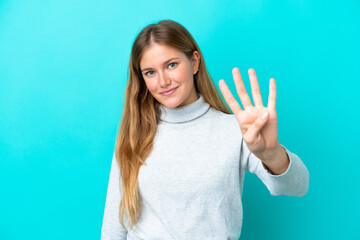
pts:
[164, 80]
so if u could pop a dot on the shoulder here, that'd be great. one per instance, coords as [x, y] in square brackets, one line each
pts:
[226, 121]
[219, 115]
[225, 128]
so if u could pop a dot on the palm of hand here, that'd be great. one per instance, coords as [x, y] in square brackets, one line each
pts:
[261, 136]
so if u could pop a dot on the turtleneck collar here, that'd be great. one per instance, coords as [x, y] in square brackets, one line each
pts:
[185, 113]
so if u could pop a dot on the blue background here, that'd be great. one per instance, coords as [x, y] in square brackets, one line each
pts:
[63, 67]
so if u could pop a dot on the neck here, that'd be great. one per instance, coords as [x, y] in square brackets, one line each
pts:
[185, 113]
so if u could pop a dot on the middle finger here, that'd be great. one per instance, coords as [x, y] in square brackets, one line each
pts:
[255, 90]
[240, 88]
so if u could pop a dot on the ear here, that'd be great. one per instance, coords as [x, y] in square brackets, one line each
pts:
[195, 61]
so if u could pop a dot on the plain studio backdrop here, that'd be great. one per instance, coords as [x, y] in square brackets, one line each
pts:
[63, 72]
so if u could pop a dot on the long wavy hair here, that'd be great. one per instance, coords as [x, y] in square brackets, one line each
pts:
[141, 112]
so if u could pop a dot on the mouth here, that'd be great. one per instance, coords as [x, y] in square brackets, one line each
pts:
[169, 92]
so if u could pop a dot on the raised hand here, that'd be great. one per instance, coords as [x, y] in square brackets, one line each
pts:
[258, 124]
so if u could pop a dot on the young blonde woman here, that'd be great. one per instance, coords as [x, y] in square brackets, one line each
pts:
[180, 156]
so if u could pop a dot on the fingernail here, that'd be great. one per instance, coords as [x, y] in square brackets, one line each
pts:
[265, 115]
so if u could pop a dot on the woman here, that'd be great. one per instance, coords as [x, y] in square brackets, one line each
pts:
[180, 157]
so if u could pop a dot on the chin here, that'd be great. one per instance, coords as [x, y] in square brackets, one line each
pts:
[170, 103]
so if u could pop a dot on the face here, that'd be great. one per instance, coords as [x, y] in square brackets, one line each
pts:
[165, 68]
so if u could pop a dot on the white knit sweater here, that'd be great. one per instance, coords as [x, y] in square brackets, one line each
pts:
[192, 182]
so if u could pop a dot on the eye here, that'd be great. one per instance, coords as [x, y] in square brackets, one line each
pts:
[146, 74]
[173, 63]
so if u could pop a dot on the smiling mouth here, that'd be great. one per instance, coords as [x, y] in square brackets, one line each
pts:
[171, 91]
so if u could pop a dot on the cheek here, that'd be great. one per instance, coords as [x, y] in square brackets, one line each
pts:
[182, 75]
[151, 85]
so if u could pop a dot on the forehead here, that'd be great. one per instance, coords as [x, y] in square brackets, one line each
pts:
[156, 54]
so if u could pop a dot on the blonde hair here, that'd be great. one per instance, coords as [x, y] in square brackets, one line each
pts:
[141, 112]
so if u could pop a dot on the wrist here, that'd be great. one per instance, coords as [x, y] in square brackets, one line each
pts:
[279, 161]
[272, 154]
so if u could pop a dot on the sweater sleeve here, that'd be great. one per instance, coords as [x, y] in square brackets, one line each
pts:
[111, 228]
[293, 182]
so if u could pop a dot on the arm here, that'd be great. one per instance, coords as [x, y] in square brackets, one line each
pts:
[111, 227]
[262, 153]
[293, 182]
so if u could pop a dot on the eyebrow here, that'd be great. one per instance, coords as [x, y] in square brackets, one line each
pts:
[169, 60]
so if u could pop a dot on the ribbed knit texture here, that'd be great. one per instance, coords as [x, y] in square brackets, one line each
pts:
[192, 182]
